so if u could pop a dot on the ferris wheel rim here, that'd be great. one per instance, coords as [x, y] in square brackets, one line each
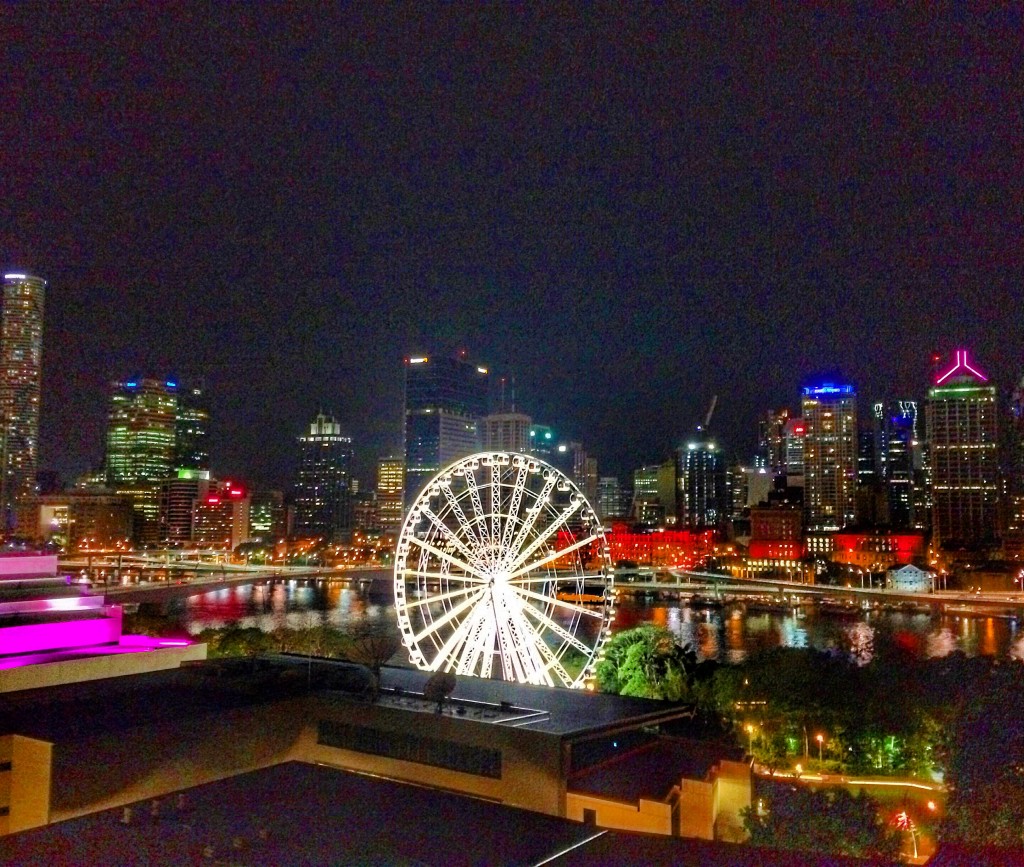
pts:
[488, 579]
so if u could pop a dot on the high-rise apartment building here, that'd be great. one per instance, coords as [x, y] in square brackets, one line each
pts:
[323, 492]
[221, 517]
[21, 351]
[703, 488]
[445, 399]
[390, 491]
[962, 430]
[830, 455]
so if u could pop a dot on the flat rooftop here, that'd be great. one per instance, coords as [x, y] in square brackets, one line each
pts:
[301, 814]
[60, 712]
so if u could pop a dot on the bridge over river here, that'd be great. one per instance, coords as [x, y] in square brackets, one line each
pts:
[183, 576]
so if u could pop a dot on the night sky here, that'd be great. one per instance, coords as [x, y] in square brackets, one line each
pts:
[629, 211]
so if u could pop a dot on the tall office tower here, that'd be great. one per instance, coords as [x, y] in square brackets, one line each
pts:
[962, 430]
[830, 455]
[794, 446]
[898, 458]
[647, 507]
[192, 429]
[867, 472]
[445, 398]
[21, 351]
[609, 497]
[505, 432]
[703, 489]
[1015, 461]
[390, 490]
[140, 447]
[323, 492]
[771, 441]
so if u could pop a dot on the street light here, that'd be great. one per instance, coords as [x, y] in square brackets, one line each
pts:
[820, 739]
[750, 737]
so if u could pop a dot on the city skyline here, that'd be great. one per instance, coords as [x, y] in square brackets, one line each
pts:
[629, 213]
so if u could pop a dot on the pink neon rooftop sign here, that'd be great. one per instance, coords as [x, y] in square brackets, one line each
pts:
[961, 364]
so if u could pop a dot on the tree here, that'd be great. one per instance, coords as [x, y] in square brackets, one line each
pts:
[438, 687]
[831, 820]
[372, 644]
[647, 662]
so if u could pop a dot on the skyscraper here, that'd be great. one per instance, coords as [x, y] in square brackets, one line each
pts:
[323, 492]
[140, 447]
[962, 430]
[445, 399]
[191, 429]
[141, 429]
[701, 475]
[390, 490]
[830, 455]
[898, 459]
[21, 350]
[505, 432]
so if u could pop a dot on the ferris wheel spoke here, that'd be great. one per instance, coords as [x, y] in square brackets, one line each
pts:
[553, 663]
[495, 503]
[477, 640]
[441, 597]
[441, 576]
[554, 555]
[532, 514]
[558, 629]
[448, 534]
[448, 650]
[513, 507]
[444, 555]
[543, 537]
[474, 499]
[561, 603]
[455, 611]
[460, 516]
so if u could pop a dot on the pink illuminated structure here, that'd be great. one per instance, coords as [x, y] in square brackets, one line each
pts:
[961, 364]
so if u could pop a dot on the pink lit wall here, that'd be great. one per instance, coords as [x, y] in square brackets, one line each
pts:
[28, 566]
[53, 636]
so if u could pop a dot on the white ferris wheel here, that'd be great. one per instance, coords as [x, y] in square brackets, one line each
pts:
[502, 570]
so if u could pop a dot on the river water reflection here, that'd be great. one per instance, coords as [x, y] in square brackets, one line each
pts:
[726, 634]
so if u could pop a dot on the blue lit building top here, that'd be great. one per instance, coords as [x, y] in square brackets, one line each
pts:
[829, 389]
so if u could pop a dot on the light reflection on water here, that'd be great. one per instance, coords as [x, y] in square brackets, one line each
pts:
[729, 634]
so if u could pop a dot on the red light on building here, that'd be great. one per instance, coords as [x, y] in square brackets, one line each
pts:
[212, 501]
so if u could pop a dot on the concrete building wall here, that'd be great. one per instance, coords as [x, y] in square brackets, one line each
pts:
[25, 768]
[650, 817]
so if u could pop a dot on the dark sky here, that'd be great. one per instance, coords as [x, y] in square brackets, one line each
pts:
[631, 211]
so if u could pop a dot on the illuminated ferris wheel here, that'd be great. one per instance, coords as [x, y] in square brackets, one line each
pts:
[502, 570]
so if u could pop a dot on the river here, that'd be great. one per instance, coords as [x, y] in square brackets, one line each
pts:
[726, 634]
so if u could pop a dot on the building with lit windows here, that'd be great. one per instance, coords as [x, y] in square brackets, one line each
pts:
[830, 455]
[140, 446]
[445, 399]
[323, 491]
[771, 441]
[793, 442]
[192, 429]
[267, 515]
[962, 430]
[390, 492]
[647, 508]
[701, 475]
[178, 497]
[609, 497]
[21, 351]
[506, 432]
[221, 517]
[898, 459]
